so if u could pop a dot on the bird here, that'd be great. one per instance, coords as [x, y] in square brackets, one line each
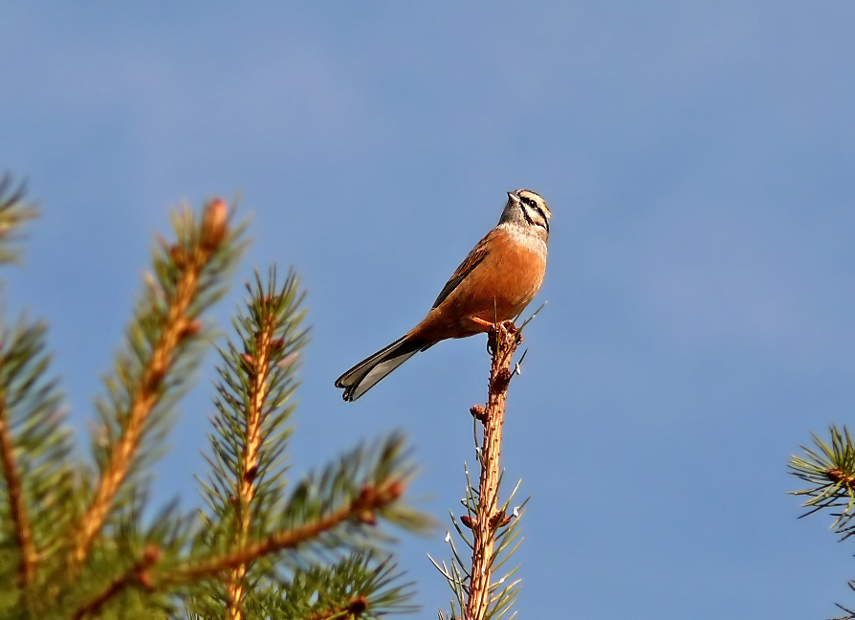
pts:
[493, 284]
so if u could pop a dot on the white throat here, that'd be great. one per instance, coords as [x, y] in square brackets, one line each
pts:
[531, 237]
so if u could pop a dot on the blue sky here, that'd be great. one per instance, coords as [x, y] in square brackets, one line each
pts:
[697, 156]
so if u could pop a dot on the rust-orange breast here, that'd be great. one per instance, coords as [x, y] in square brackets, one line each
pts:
[498, 289]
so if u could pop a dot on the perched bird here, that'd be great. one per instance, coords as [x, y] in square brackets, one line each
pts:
[498, 279]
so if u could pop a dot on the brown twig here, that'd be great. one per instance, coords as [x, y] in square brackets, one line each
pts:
[17, 507]
[503, 341]
[136, 575]
[360, 508]
[248, 467]
[177, 326]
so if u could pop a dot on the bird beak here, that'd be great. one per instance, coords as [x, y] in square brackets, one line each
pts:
[512, 196]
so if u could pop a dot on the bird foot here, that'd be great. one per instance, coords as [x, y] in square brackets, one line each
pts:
[507, 327]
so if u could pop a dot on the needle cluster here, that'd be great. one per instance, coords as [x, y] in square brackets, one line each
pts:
[829, 469]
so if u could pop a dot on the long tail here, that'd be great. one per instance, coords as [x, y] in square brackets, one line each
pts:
[367, 373]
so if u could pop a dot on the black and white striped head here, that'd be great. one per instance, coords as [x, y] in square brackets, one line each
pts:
[526, 208]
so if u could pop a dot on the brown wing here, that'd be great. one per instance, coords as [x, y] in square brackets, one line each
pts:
[478, 254]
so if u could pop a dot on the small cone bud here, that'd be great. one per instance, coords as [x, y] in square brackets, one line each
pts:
[395, 490]
[250, 474]
[151, 554]
[478, 413]
[214, 224]
[277, 343]
[358, 605]
[179, 256]
[499, 520]
[145, 580]
[155, 377]
[191, 328]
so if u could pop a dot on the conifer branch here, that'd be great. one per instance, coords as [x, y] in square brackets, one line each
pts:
[13, 214]
[360, 509]
[254, 401]
[257, 364]
[503, 342]
[250, 518]
[172, 323]
[490, 530]
[355, 608]
[358, 586]
[17, 507]
[79, 535]
[34, 448]
[829, 469]
[136, 575]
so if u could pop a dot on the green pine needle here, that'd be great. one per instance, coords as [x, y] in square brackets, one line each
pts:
[14, 213]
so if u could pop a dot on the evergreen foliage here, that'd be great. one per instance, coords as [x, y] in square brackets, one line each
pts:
[829, 469]
[73, 540]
